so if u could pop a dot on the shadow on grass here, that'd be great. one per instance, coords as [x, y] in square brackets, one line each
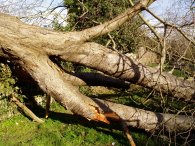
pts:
[114, 130]
[98, 126]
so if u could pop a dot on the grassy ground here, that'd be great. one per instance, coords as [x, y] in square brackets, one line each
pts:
[20, 131]
[64, 129]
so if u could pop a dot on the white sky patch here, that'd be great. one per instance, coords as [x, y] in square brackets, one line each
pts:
[36, 12]
[171, 10]
[175, 12]
[46, 14]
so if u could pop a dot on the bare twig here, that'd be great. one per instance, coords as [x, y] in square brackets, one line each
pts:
[149, 25]
[25, 109]
[127, 133]
[114, 116]
[48, 101]
[85, 9]
[113, 42]
[172, 26]
[163, 50]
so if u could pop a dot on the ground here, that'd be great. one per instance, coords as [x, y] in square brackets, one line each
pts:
[65, 129]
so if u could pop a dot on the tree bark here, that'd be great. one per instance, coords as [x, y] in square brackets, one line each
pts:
[91, 54]
[112, 63]
[147, 120]
[50, 79]
[97, 79]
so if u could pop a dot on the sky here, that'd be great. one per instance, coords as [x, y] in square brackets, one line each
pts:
[159, 7]
[27, 9]
[165, 9]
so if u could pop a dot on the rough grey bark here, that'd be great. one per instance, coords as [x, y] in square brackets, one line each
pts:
[147, 120]
[118, 65]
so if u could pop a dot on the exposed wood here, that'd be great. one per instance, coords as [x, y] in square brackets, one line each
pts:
[124, 125]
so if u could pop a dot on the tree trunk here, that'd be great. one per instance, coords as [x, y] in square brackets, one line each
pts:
[147, 120]
[91, 54]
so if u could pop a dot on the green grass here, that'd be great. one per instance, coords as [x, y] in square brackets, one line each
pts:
[64, 129]
[21, 131]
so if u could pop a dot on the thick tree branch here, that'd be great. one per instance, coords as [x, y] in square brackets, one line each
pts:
[147, 120]
[97, 79]
[64, 39]
[113, 24]
[50, 79]
[114, 64]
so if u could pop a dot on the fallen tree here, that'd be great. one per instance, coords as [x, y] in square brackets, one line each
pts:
[32, 47]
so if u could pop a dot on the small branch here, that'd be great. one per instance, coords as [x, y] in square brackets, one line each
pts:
[127, 133]
[148, 24]
[160, 40]
[175, 55]
[163, 50]
[113, 42]
[114, 116]
[84, 8]
[25, 109]
[171, 71]
[48, 101]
